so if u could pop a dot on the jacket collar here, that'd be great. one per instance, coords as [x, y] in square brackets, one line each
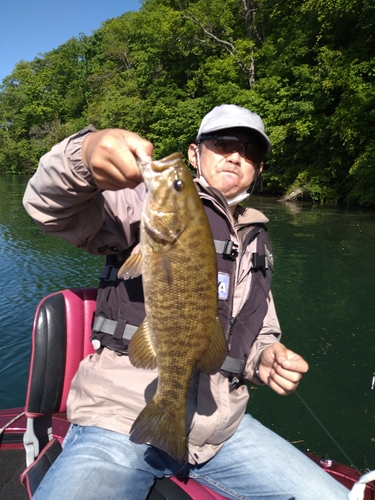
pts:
[243, 216]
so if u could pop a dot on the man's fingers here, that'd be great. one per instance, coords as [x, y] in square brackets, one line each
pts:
[283, 385]
[141, 148]
[112, 155]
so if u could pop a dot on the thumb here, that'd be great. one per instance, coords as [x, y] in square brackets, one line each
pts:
[281, 355]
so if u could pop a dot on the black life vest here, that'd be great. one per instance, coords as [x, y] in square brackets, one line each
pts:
[120, 304]
[241, 330]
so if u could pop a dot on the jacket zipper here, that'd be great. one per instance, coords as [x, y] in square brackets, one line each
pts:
[230, 333]
[229, 218]
[233, 319]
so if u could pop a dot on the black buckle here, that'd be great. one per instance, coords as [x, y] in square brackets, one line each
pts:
[235, 382]
[108, 273]
[230, 251]
[260, 261]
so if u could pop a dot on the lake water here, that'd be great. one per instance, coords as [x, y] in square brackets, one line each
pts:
[324, 289]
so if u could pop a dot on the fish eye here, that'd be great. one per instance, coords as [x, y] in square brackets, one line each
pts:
[178, 185]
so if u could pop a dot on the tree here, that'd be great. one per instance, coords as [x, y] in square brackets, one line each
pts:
[306, 66]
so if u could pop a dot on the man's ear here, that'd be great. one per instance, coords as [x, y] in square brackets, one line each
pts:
[260, 169]
[192, 155]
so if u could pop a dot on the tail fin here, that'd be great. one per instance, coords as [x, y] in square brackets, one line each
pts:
[163, 428]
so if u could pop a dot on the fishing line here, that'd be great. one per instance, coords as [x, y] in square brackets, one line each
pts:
[326, 430]
[350, 461]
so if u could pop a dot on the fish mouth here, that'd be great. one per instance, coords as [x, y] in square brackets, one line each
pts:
[167, 162]
[150, 170]
[159, 165]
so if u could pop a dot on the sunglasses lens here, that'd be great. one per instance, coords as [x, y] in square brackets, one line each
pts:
[253, 153]
[228, 145]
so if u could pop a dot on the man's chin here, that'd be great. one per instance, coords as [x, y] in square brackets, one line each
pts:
[226, 185]
[231, 193]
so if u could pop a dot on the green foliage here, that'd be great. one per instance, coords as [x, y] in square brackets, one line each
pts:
[306, 66]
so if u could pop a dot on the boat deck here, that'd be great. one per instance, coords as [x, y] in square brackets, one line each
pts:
[12, 464]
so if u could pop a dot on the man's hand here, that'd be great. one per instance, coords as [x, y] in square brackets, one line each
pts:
[281, 369]
[111, 157]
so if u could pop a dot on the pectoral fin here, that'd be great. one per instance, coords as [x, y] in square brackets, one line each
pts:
[164, 265]
[215, 353]
[141, 350]
[131, 268]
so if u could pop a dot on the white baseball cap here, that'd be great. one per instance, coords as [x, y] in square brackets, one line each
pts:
[232, 116]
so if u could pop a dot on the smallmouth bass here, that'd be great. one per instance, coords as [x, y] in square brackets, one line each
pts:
[182, 330]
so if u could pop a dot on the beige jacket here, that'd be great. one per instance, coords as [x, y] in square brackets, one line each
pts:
[107, 390]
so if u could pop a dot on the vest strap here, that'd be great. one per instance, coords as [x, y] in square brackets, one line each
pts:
[109, 273]
[227, 248]
[233, 365]
[260, 261]
[104, 325]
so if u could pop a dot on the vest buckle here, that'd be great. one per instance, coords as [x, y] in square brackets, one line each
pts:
[230, 250]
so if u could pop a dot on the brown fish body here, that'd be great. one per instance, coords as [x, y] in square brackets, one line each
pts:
[181, 330]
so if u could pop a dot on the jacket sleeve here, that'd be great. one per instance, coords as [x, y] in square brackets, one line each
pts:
[64, 200]
[269, 334]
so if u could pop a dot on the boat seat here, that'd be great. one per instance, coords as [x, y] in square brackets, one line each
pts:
[60, 340]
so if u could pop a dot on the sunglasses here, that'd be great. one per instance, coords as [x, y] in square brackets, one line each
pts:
[231, 144]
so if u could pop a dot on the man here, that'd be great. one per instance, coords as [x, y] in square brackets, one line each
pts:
[88, 190]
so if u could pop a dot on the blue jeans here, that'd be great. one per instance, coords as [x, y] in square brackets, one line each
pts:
[255, 464]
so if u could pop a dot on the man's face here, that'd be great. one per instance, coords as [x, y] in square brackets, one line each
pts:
[232, 172]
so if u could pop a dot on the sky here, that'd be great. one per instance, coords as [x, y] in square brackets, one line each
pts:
[30, 27]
